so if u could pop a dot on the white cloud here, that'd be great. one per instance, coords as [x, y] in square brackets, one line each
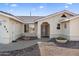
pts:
[41, 7]
[13, 5]
[11, 10]
[66, 6]
[69, 3]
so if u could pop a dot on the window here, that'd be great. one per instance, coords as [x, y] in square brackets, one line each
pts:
[26, 28]
[58, 26]
[63, 15]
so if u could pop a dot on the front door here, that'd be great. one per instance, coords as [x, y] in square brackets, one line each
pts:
[45, 29]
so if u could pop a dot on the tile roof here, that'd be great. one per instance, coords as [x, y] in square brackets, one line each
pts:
[32, 19]
[6, 13]
[25, 19]
[29, 19]
[10, 15]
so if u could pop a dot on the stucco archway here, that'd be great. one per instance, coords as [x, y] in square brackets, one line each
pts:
[45, 29]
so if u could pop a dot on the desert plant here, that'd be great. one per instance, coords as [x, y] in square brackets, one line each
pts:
[61, 38]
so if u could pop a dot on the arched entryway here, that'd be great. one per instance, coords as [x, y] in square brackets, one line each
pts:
[45, 29]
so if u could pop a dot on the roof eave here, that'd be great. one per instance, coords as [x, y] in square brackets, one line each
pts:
[11, 17]
[56, 14]
[70, 18]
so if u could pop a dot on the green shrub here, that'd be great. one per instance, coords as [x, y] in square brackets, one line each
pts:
[61, 38]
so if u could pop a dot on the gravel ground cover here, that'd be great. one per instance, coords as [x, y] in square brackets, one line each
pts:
[47, 49]
[30, 51]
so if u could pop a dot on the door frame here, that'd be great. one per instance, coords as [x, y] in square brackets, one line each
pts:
[45, 30]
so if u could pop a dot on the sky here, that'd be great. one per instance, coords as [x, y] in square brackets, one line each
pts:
[37, 9]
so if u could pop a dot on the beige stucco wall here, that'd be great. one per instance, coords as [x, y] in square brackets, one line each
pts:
[16, 29]
[74, 29]
[65, 32]
[53, 21]
[10, 29]
[4, 27]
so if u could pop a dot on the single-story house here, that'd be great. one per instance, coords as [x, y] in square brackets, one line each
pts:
[60, 24]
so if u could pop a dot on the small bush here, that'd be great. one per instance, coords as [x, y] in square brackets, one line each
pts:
[61, 38]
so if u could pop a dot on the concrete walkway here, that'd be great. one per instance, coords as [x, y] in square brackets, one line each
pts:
[52, 49]
[19, 45]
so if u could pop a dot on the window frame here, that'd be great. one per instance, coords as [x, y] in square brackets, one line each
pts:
[26, 28]
[58, 26]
